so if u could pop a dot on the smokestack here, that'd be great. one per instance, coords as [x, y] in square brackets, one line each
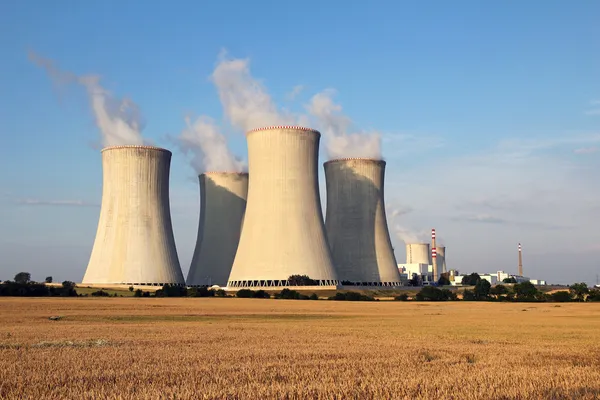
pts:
[434, 256]
[418, 253]
[134, 242]
[520, 261]
[283, 232]
[356, 223]
[222, 206]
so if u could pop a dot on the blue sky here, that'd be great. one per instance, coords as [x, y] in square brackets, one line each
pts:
[488, 114]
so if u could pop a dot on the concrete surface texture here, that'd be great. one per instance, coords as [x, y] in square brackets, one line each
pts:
[441, 259]
[356, 223]
[134, 242]
[283, 232]
[418, 253]
[222, 206]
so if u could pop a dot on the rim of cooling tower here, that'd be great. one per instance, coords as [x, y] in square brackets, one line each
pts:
[135, 146]
[293, 127]
[370, 159]
[223, 173]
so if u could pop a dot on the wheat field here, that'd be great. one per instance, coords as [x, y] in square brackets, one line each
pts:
[212, 348]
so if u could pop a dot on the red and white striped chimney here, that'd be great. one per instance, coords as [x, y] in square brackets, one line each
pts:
[520, 261]
[434, 256]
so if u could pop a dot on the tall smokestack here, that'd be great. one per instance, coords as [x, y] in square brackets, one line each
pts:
[356, 223]
[520, 261]
[434, 256]
[134, 241]
[222, 206]
[283, 232]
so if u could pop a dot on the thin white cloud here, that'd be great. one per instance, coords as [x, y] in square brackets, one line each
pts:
[296, 90]
[66, 203]
[586, 150]
[594, 108]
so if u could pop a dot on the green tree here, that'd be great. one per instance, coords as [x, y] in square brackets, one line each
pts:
[131, 288]
[560, 297]
[301, 280]
[509, 280]
[594, 295]
[579, 291]
[444, 281]
[48, 279]
[525, 291]
[499, 290]
[471, 280]
[23, 278]
[431, 293]
[482, 289]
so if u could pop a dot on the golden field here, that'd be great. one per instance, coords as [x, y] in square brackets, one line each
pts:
[205, 348]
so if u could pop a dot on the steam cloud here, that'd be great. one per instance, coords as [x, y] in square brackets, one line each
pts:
[117, 119]
[245, 101]
[208, 147]
[336, 126]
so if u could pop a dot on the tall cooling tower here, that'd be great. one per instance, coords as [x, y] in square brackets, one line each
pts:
[441, 259]
[356, 223]
[134, 241]
[418, 253]
[222, 206]
[283, 232]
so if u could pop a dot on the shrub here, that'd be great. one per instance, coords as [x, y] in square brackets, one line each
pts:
[171, 291]
[287, 294]
[220, 293]
[245, 294]
[314, 297]
[48, 279]
[202, 291]
[351, 296]
[301, 280]
[594, 295]
[579, 291]
[482, 289]
[100, 293]
[261, 294]
[560, 297]
[431, 293]
[509, 280]
[469, 295]
[402, 297]
[525, 291]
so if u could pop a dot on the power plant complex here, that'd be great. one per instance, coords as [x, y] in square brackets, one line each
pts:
[256, 229]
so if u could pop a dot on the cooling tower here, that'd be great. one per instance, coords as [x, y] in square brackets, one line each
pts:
[222, 205]
[441, 259]
[283, 232]
[356, 223]
[418, 253]
[134, 241]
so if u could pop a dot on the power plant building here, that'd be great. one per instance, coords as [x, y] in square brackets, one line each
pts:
[283, 233]
[134, 242]
[222, 206]
[356, 223]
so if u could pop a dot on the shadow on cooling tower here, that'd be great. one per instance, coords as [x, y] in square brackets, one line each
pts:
[357, 228]
[219, 229]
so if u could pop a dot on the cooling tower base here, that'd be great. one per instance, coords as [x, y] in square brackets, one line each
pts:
[275, 283]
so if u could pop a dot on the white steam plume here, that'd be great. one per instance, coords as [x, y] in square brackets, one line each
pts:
[336, 126]
[245, 101]
[208, 147]
[117, 119]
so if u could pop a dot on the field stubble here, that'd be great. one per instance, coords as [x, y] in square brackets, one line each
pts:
[125, 348]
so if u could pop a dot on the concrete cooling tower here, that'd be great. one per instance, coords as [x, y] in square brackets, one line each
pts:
[222, 206]
[418, 253]
[356, 223]
[283, 232]
[441, 259]
[134, 242]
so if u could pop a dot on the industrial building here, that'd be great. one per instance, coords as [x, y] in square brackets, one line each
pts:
[356, 223]
[222, 206]
[283, 233]
[134, 242]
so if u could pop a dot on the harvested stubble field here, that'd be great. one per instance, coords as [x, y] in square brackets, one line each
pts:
[126, 348]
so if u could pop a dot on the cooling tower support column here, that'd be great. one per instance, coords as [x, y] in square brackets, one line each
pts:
[222, 206]
[356, 223]
[134, 242]
[283, 232]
